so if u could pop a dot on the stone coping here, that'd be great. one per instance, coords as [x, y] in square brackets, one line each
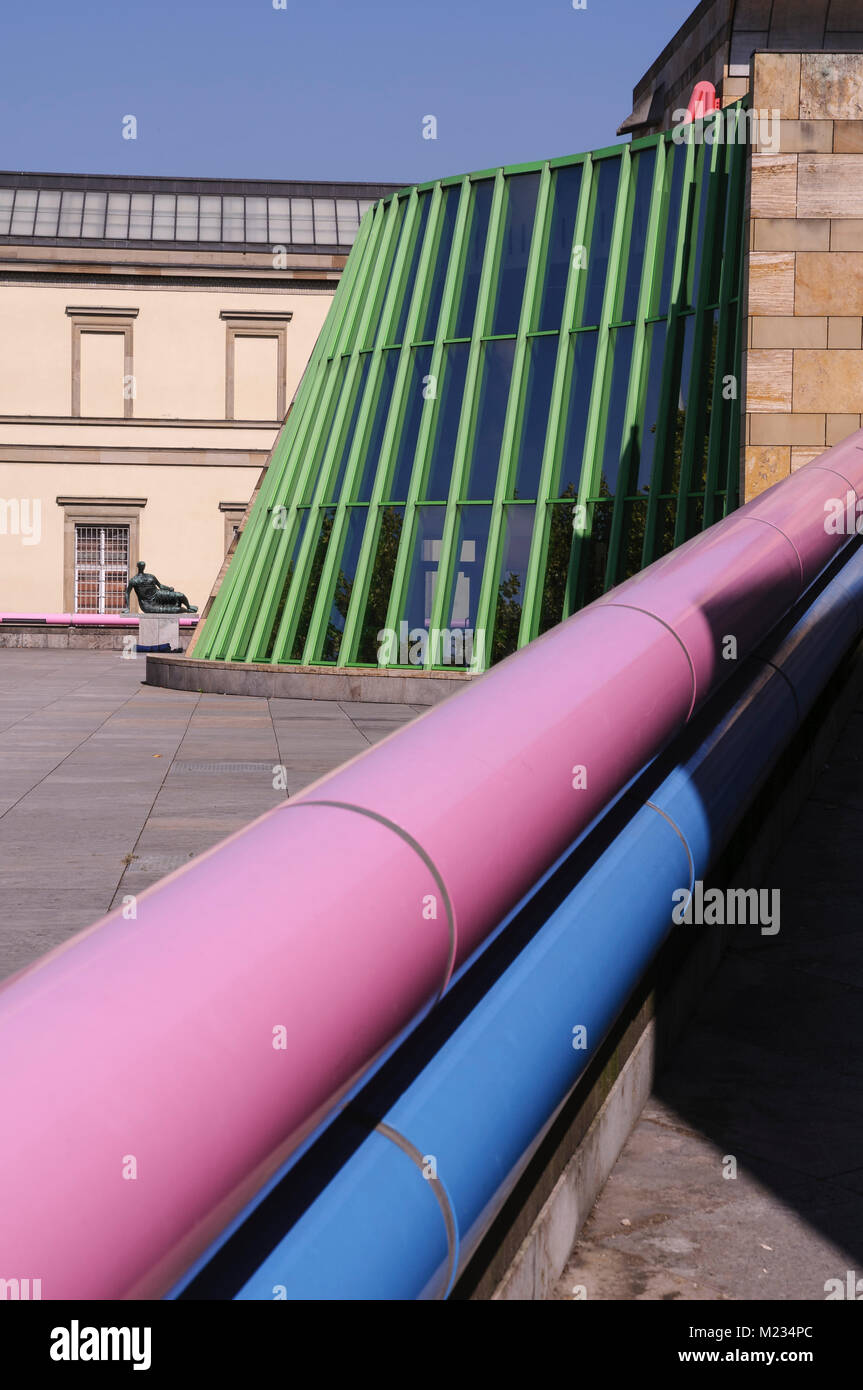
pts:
[266, 681]
[100, 620]
[57, 633]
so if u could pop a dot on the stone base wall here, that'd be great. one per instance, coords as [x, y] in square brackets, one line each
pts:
[803, 363]
[305, 682]
[90, 638]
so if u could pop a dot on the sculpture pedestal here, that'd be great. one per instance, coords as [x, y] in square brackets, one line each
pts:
[157, 630]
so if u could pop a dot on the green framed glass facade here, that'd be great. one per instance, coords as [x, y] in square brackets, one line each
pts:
[526, 389]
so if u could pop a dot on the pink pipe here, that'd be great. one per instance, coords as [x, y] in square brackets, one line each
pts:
[152, 1039]
[85, 619]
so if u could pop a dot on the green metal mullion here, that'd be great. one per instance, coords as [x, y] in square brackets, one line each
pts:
[725, 323]
[250, 565]
[367, 308]
[346, 293]
[273, 565]
[267, 570]
[487, 605]
[428, 422]
[669, 373]
[395, 417]
[534, 576]
[464, 438]
[323, 601]
[365, 560]
[324, 596]
[633, 422]
[344, 339]
[594, 437]
[353, 469]
[293, 609]
[387, 292]
[229, 594]
[266, 589]
[727, 318]
[700, 294]
[733, 496]
[220, 623]
[732, 490]
[333, 551]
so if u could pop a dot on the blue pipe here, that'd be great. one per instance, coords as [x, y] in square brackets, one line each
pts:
[402, 1215]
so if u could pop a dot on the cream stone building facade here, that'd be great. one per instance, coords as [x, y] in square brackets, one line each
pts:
[152, 334]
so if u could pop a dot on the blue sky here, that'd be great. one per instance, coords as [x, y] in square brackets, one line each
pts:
[322, 89]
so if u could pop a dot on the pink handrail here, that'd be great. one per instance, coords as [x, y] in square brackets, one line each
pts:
[87, 619]
[197, 1039]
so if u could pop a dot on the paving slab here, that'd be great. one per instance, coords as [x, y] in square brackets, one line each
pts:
[107, 785]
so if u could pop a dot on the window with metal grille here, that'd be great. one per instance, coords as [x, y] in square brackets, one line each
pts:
[126, 216]
[101, 568]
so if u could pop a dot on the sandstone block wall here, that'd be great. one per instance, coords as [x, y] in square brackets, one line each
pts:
[803, 359]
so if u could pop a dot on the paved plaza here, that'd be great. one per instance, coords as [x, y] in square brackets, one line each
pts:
[107, 785]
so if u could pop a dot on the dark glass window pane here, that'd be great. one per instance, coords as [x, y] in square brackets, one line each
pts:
[326, 517]
[289, 541]
[381, 583]
[666, 523]
[673, 190]
[424, 567]
[446, 225]
[491, 413]
[673, 451]
[641, 480]
[705, 157]
[594, 550]
[540, 376]
[334, 486]
[407, 437]
[466, 582]
[694, 516]
[608, 177]
[397, 332]
[733, 245]
[515, 249]
[646, 163]
[721, 183]
[314, 474]
[583, 359]
[72, 211]
[448, 406]
[706, 379]
[632, 540]
[344, 583]
[567, 187]
[615, 446]
[556, 565]
[481, 195]
[373, 445]
[724, 424]
[383, 276]
[510, 592]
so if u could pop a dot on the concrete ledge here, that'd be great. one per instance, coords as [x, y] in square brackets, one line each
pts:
[304, 682]
[60, 636]
[530, 1242]
[546, 1250]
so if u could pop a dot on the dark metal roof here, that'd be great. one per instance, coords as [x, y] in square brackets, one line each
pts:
[119, 210]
